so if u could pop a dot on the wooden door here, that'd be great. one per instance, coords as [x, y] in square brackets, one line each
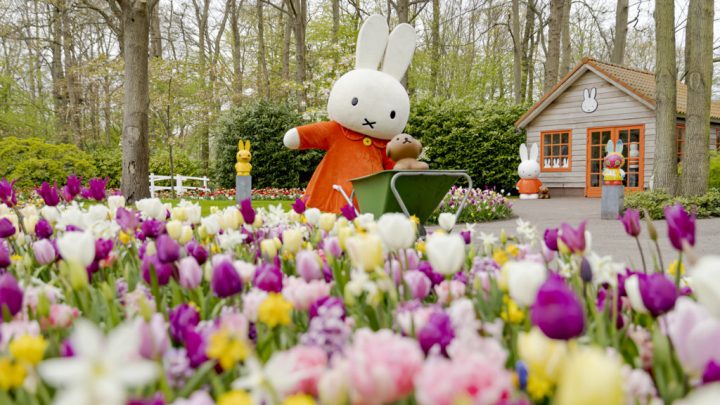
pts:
[634, 152]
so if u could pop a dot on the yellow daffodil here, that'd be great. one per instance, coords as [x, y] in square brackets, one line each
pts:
[124, 237]
[226, 348]
[538, 387]
[275, 310]
[500, 257]
[235, 398]
[420, 246]
[28, 348]
[513, 250]
[299, 399]
[673, 268]
[512, 313]
[12, 374]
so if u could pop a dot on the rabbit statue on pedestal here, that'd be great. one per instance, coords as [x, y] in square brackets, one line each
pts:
[367, 107]
[529, 185]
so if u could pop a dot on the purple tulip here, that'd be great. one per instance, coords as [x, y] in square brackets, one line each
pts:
[96, 189]
[551, 238]
[307, 266]
[43, 229]
[7, 193]
[658, 293]
[586, 273]
[467, 236]
[152, 228]
[247, 211]
[195, 348]
[7, 229]
[73, 186]
[557, 310]
[631, 222]
[348, 211]
[183, 318]
[197, 251]
[299, 206]
[163, 271]
[225, 281]
[438, 330]
[127, 219]
[44, 251]
[268, 278]
[5, 260]
[681, 226]
[711, 373]
[325, 303]
[331, 246]
[66, 349]
[605, 299]
[574, 239]
[156, 400]
[189, 272]
[11, 296]
[167, 249]
[103, 247]
[49, 194]
[435, 278]
[418, 283]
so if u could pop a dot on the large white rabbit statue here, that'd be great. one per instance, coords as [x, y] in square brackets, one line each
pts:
[367, 107]
[529, 185]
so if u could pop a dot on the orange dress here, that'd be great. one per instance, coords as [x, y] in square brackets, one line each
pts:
[529, 186]
[349, 155]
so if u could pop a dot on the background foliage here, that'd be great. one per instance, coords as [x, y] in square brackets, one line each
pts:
[707, 205]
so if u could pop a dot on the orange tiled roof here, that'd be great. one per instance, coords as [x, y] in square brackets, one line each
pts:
[639, 82]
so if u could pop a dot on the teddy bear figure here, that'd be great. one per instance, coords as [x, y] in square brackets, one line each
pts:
[404, 150]
[243, 156]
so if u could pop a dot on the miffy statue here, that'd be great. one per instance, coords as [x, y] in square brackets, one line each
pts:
[589, 104]
[367, 107]
[529, 185]
[243, 156]
[613, 174]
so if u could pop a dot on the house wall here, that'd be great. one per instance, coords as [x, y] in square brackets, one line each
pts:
[615, 108]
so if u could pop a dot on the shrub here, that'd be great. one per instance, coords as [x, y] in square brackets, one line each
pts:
[714, 170]
[654, 202]
[482, 206]
[183, 164]
[264, 124]
[32, 161]
[108, 163]
[479, 138]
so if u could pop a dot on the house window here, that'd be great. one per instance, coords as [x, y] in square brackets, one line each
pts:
[680, 140]
[555, 151]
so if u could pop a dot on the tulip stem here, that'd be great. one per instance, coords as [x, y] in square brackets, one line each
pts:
[662, 264]
[678, 270]
[642, 254]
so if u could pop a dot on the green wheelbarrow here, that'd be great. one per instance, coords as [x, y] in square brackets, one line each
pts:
[412, 192]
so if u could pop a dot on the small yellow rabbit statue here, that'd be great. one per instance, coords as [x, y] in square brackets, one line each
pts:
[243, 166]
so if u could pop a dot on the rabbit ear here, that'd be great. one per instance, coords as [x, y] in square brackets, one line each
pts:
[371, 42]
[400, 49]
[247, 145]
[609, 147]
[534, 151]
[619, 146]
[586, 94]
[523, 152]
[593, 92]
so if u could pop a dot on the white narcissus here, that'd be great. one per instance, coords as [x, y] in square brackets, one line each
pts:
[705, 283]
[446, 253]
[102, 369]
[151, 208]
[77, 248]
[446, 221]
[396, 231]
[524, 279]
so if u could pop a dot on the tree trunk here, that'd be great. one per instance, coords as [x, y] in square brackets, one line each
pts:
[403, 11]
[72, 84]
[552, 58]
[435, 48]
[299, 11]
[566, 59]
[236, 53]
[698, 77]
[528, 48]
[621, 28]
[263, 78]
[665, 168]
[57, 73]
[135, 171]
[517, 51]
[155, 38]
[204, 126]
[287, 36]
[335, 5]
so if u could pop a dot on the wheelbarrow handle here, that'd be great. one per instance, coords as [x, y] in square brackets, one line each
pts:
[397, 175]
[339, 188]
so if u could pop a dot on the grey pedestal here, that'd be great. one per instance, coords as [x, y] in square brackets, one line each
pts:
[613, 198]
[243, 188]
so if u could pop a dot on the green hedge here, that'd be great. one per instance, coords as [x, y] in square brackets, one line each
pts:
[479, 138]
[715, 170]
[273, 165]
[654, 202]
[32, 161]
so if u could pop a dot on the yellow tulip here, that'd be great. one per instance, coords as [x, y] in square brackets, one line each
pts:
[543, 356]
[365, 251]
[235, 397]
[268, 248]
[12, 374]
[28, 348]
[299, 399]
[292, 240]
[174, 229]
[327, 221]
[186, 234]
[605, 387]
[226, 348]
[179, 214]
[275, 310]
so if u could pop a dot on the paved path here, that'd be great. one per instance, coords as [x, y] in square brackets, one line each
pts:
[608, 236]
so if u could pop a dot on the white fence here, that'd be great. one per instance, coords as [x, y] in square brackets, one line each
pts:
[179, 188]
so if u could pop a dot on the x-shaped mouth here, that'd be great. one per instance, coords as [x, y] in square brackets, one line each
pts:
[369, 123]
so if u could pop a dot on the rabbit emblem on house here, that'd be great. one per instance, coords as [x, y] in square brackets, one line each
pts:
[243, 156]
[529, 185]
[367, 107]
[613, 174]
[589, 103]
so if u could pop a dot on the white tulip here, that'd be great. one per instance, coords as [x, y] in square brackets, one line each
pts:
[211, 224]
[192, 211]
[707, 394]
[115, 202]
[174, 229]
[396, 231]
[524, 280]
[632, 288]
[52, 214]
[446, 221]
[77, 247]
[446, 253]
[705, 283]
[292, 240]
[326, 221]
[312, 215]
[151, 208]
[97, 213]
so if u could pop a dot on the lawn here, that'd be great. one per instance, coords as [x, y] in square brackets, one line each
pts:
[207, 204]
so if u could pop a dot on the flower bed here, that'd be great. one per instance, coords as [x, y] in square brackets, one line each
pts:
[268, 193]
[157, 304]
[482, 205]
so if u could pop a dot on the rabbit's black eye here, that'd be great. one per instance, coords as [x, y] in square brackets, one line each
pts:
[354, 101]
[392, 114]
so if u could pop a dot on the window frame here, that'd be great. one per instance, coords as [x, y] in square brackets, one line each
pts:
[542, 150]
[679, 140]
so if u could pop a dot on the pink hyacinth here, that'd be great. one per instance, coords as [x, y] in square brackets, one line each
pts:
[382, 366]
[471, 378]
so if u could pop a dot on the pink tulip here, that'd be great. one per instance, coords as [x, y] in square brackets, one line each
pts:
[695, 335]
